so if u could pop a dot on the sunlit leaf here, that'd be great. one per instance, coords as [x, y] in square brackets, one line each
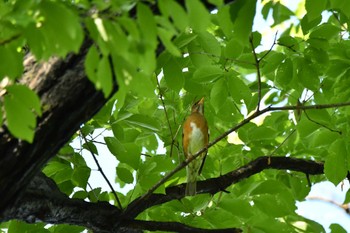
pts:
[22, 106]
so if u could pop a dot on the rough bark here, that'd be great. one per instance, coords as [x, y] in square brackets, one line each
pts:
[68, 99]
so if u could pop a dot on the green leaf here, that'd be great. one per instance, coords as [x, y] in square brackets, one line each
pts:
[19, 226]
[218, 94]
[347, 197]
[284, 73]
[266, 9]
[256, 39]
[336, 228]
[325, 31]
[87, 129]
[238, 89]
[146, 182]
[128, 153]
[173, 75]
[94, 194]
[176, 12]
[104, 76]
[272, 61]
[22, 106]
[335, 167]
[262, 133]
[208, 74]
[341, 5]
[91, 63]
[147, 25]
[81, 176]
[54, 167]
[273, 198]
[166, 36]
[54, 36]
[11, 64]
[209, 44]
[244, 16]
[125, 175]
[66, 228]
[306, 127]
[280, 13]
[308, 76]
[199, 17]
[91, 147]
[118, 131]
[324, 138]
[144, 122]
[314, 8]
[142, 84]
[233, 49]
[306, 25]
[81, 194]
[26, 96]
[225, 21]
[238, 207]
[289, 42]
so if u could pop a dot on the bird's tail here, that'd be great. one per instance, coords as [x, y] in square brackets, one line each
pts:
[191, 186]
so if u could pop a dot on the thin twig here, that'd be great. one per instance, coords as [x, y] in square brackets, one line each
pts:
[94, 141]
[269, 51]
[343, 206]
[257, 67]
[102, 172]
[93, 138]
[282, 143]
[166, 116]
[236, 127]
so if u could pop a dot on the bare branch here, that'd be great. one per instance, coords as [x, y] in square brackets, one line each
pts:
[220, 183]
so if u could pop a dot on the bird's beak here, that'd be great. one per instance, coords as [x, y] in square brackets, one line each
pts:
[201, 101]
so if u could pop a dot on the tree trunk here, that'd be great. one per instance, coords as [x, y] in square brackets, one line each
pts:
[68, 99]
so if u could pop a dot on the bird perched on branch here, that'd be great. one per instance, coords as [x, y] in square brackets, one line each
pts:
[194, 138]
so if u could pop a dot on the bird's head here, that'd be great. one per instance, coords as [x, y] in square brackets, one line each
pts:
[199, 106]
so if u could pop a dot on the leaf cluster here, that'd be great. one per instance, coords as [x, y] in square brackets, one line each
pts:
[286, 98]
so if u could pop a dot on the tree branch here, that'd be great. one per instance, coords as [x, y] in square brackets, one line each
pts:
[42, 201]
[218, 184]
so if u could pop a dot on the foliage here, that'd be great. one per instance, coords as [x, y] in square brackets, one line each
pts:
[303, 73]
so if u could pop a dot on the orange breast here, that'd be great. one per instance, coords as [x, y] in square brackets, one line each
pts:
[195, 134]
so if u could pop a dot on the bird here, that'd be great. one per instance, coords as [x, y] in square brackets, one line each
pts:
[195, 136]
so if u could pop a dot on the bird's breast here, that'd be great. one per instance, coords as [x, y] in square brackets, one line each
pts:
[196, 139]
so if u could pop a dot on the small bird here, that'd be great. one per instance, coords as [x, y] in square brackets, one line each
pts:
[194, 138]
